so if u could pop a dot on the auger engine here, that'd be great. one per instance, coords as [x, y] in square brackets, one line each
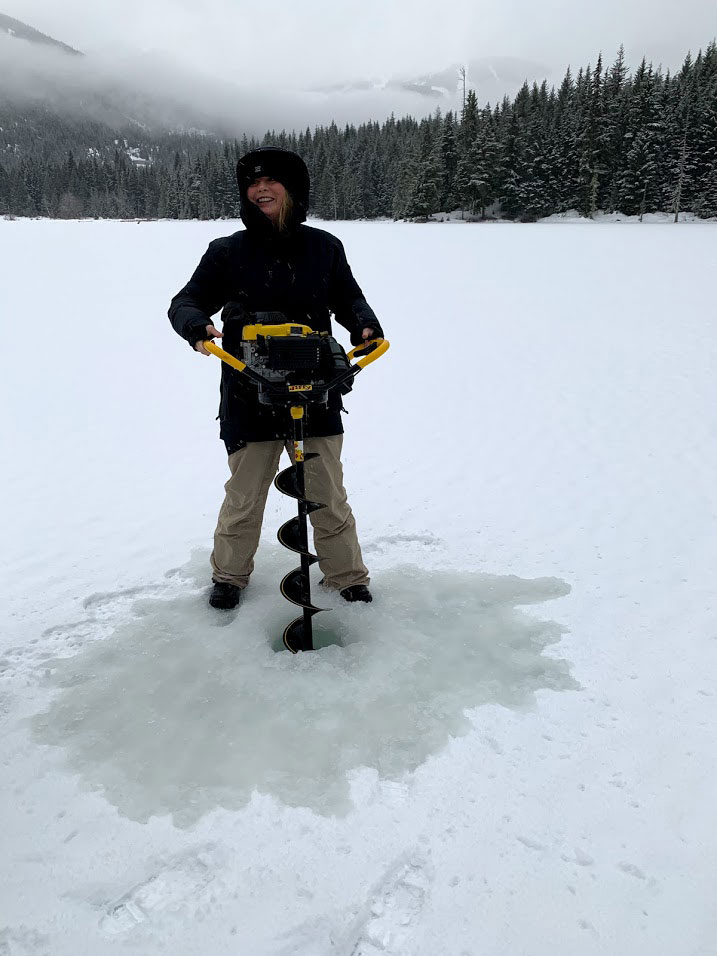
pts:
[289, 355]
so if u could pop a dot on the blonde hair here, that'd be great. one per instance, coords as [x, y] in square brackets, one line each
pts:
[284, 215]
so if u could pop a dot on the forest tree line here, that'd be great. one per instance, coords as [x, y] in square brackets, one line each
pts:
[605, 139]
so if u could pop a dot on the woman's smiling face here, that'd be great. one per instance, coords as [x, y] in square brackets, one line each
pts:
[268, 194]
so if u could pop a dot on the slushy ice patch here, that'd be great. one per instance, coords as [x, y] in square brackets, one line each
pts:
[184, 709]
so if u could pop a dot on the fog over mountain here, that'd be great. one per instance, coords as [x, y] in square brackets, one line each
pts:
[160, 91]
[136, 89]
[230, 70]
[491, 77]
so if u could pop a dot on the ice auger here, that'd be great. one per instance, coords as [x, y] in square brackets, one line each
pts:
[295, 368]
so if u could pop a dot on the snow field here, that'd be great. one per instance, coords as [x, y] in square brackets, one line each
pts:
[472, 771]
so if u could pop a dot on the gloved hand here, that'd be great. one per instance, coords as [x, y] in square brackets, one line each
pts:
[373, 331]
[199, 334]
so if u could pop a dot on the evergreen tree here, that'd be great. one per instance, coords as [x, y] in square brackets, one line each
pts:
[449, 158]
[603, 139]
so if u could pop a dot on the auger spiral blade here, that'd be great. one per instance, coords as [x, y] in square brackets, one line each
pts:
[295, 587]
[294, 535]
[287, 482]
[289, 534]
[296, 637]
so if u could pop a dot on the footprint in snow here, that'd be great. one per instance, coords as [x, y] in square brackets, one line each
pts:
[401, 539]
[101, 599]
[632, 870]
[393, 910]
[175, 884]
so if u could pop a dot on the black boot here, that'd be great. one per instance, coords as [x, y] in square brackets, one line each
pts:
[357, 592]
[224, 596]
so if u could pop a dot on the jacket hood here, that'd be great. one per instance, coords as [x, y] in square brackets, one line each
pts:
[286, 167]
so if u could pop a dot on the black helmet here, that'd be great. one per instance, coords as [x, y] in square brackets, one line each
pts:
[281, 164]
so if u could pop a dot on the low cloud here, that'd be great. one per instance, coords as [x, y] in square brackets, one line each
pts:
[235, 69]
[159, 91]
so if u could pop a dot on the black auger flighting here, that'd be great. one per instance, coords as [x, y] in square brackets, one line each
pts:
[294, 367]
[294, 535]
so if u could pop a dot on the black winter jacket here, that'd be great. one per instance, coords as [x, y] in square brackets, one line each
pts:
[306, 276]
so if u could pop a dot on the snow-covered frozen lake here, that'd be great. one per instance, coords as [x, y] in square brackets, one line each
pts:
[514, 751]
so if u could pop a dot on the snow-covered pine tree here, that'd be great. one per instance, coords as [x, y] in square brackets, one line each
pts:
[638, 183]
[614, 128]
[351, 195]
[466, 135]
[704, 131]
[425, 195]
[449, 150]
[487, 177]
[681, 130]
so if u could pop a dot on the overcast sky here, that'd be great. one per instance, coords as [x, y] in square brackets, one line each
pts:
[310, 42]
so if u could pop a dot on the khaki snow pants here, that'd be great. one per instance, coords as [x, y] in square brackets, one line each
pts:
[240, 518]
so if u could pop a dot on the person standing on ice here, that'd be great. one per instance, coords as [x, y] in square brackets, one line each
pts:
[276, 264]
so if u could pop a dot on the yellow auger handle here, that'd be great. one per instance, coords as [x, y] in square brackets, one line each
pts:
[224, 356]
[382, 345]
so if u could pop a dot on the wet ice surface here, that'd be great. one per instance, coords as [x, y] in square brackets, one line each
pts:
[182, 709]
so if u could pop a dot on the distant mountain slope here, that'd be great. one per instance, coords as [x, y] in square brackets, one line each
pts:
[20, 30]
[43, 135]
[491, 77]
[51, 94]
[54, 100]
